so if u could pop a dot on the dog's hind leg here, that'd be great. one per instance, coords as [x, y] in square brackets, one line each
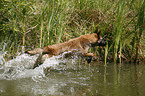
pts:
[38, 61]
[41, 58]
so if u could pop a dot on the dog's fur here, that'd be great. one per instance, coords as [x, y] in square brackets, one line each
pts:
[81, 43]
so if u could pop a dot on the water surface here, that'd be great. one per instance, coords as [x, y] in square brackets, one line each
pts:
[70, 77]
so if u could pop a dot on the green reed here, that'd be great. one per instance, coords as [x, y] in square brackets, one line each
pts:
[119, 28]
[38, 23]
[140, 26]
[106, 53]
[23, 28]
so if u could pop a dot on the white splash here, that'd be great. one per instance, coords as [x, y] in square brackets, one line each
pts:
[21, 67]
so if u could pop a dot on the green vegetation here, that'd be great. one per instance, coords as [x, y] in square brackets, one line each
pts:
[36, 23]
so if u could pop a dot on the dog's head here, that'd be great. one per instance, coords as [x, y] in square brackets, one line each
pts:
[100, 41]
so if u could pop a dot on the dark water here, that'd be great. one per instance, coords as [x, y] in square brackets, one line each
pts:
[71, 78]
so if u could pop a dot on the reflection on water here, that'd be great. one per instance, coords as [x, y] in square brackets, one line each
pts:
[70, 77]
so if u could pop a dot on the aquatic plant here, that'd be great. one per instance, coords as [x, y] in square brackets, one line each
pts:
[30, 24]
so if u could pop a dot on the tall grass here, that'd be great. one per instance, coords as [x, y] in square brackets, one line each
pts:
[119, 28]
[106, 53]
[140, 26]
[38, 23]
[23, 28]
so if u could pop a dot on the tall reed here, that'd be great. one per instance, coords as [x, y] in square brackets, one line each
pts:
[43, 10]
[38, 23]
[23, 28]
[106, 53]
[118, 29]
[50, 25]
[140, 25]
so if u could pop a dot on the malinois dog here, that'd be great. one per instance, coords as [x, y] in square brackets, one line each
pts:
[82, 43]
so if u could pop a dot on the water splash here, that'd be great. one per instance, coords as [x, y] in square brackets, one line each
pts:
[21, 66]
[2, 54]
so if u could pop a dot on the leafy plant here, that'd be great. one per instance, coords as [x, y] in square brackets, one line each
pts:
[30, 24]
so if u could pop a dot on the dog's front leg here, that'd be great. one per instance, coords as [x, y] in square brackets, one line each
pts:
[88, 56]
[85, 52]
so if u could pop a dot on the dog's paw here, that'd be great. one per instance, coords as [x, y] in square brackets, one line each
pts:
[89, 54]
[88, 59]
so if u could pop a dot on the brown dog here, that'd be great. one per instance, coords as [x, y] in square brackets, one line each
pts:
[81, 43]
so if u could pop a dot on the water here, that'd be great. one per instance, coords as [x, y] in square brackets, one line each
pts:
[69, 77]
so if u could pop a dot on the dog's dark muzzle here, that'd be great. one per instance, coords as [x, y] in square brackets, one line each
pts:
[100, 42]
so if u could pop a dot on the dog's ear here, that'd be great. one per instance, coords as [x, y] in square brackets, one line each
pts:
[99, 33]
[96, 31]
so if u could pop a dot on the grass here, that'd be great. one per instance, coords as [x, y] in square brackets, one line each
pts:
[118, 28]
[106, 53]
[30, 24]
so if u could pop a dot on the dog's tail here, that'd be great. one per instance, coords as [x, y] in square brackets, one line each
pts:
[35, 51]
